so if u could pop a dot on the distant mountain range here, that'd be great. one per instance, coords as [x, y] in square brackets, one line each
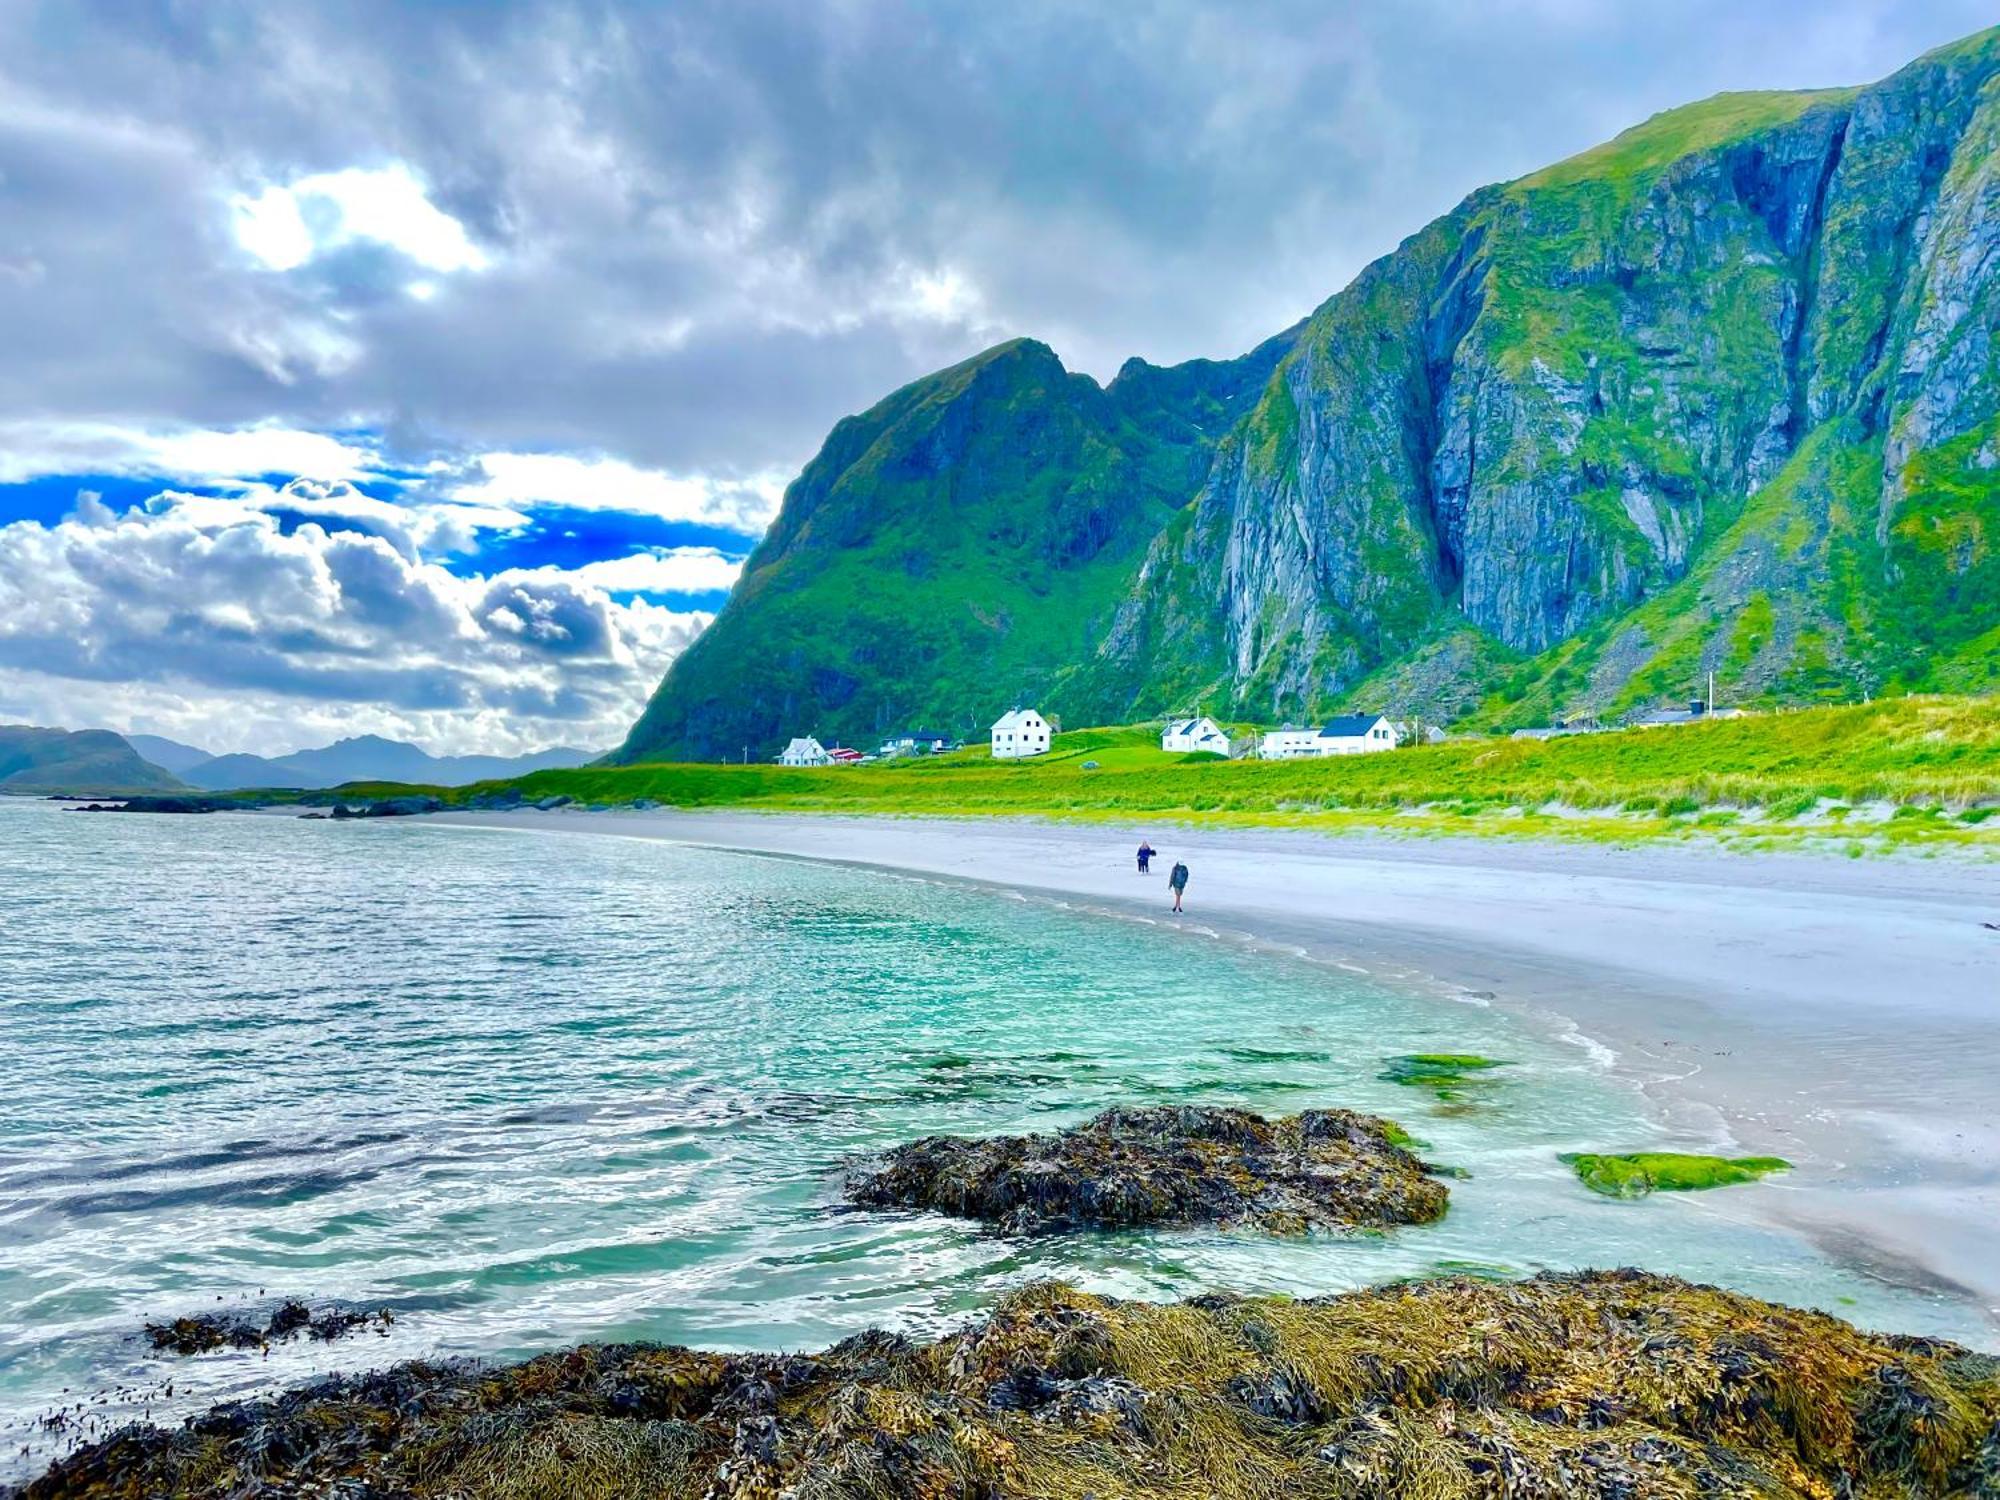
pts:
[365, 757]
[102, 763]
[1721, 395]
[82, 763]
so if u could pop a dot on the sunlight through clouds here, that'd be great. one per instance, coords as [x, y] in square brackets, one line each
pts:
[285, 227]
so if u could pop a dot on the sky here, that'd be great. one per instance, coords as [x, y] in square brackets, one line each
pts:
[429, 369]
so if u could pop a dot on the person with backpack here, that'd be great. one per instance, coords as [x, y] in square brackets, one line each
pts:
[1146, 853]
[1177, 880]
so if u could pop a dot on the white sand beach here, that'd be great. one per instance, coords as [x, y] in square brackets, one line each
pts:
[1841, 1013]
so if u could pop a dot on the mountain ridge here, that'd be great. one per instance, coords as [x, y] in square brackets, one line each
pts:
[368, 757]
[36, 761]
[1715, 395]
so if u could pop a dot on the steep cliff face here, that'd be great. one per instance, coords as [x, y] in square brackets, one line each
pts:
[1719, 395]
[1565, 400]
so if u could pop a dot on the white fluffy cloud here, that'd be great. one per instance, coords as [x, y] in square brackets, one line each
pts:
[134, 619]
[284, 227]
[521, 480]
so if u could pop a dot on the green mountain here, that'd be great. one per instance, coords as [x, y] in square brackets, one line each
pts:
[1718, 395]
[77, 763]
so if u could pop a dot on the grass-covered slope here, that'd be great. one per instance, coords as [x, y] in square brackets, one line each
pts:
[1718, 395]
[82, 763]
[1915, 770]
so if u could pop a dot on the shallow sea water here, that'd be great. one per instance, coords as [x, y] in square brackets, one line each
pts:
[526, 1091]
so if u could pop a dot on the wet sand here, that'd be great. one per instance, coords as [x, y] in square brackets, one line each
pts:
[1842, 1013]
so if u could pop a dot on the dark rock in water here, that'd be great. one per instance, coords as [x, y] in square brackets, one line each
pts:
[203, 1332]
[163, 805]
[1325, 1168]
[1598, 1384]
[389, 807]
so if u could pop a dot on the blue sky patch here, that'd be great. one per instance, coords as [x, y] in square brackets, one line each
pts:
[559, 537]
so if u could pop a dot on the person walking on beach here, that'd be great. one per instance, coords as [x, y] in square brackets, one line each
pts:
[1146, 853]
[1177, 882]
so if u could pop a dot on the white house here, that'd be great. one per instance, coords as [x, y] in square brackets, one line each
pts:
[915, 742]
[805, 752]
[1199, 734]
[1022, 732]
[1350, 734]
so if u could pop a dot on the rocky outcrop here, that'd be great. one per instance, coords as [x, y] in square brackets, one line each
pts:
[1596, 1384]
[1325, 1168]
[205, 1332]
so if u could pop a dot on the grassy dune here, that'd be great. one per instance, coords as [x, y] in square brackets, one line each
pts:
[1908, 770]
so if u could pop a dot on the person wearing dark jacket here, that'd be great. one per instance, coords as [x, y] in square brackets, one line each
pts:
[1146, 853]
[1177, 881]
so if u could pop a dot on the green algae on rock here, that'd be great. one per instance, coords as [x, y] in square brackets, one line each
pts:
[1323, 1168]
[1637, 1173]
[1445, 1074]
[1613, 1383]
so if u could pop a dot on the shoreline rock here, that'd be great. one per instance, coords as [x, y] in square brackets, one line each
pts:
[1168, 1165]
[1600, 1384]
[201, 1333]
[164, 805]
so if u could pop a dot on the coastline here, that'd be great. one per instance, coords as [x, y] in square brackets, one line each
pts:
[1811, 1007]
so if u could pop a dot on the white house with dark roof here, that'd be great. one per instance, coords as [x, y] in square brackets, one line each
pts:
[1022, 732]
[806, 751]
[1350, 734]
[1202, 734]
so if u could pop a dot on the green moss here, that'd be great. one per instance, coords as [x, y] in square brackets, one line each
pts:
[1636, 1174]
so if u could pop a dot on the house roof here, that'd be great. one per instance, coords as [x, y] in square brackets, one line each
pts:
[1349, 726]
[1189, 726]
[804, 742]
[1016, 720]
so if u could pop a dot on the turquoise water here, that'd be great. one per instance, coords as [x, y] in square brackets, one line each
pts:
[527, 1090]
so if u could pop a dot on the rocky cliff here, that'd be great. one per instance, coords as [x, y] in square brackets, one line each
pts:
[1716, 396]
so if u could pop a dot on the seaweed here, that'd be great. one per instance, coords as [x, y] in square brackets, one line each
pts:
[1446, 1074]
[1323, 1168]
[1637, 1173]
[1604, 1383]
[202, 1333]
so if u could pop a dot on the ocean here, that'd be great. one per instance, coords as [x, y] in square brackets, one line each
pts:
[525, 1091]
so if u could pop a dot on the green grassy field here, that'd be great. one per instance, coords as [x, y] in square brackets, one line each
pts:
[1903, 771]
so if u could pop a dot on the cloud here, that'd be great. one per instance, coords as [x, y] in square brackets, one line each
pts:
[283, 228]
[692, 237]
[657, 570]
[212, 600]
[527, 480]
[33, 449]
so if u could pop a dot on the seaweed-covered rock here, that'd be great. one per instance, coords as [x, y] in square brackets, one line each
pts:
[1601, 1384]
[200, 1333]
[1325, 1168]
